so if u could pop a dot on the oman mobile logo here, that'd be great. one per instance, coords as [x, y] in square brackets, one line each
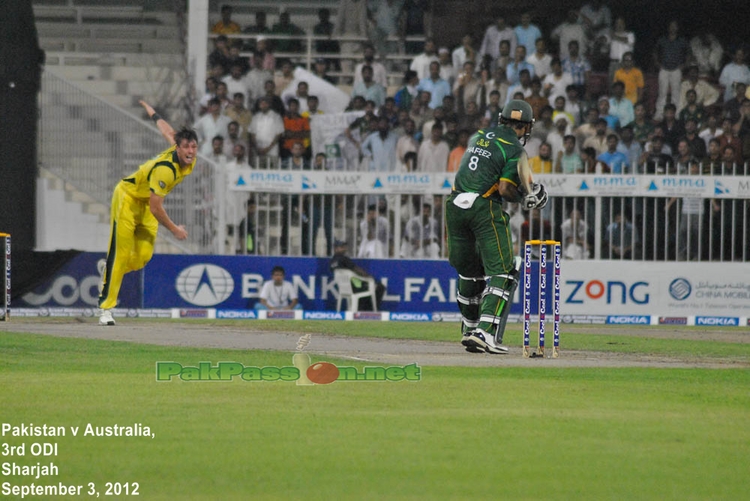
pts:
[302, 371]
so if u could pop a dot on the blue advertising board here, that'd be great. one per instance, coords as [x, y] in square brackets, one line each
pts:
[75, 285]
[234, 282]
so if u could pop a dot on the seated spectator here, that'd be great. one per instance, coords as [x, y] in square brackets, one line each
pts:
[222, 94]
[599, 140]
[503, 60]
[341, 261]
[457, 153]
[523, 86]
[380, 147]
[588, 128]
[296, 130]
[536, 100]
[683, 158]
[226, 26]
[438, 117]
[499, 84]
[209, 94]
[588, 159]
[266, 131]
[368, 89]
[494, 34]
[734, 72]
[407, 143]
[320, 70]
[692, 110]
[519, 64]
[595, 16]
[705, 93]
[286, 27]
[263, 58]
[325, 27]
[631, 148]
[568, 31]
[236, 58]
[733, 106]
[620, 238]
[406, 94]
[378, 70]
[542, 163]
[673, 130]
[421, 62]
[464, 52]
[421, 238]
[274, 100]
[578, 67]
[544, 125]
[493, 109]
[568, 160]
[235, 81]
[232, 138]
[277, 293]
[435, 85]
[283, 78]
[613, 122]
[470, 118]
[540, 60]
[527, 33]
[433, 152]
[214, 150]
[713, 161]
[729, 138]
[467, 85]
[559, 111]
[451, 132]
[697, 145]
[573, 104]
[556, 137]
[575, 236]
[238, 158]
[447, 71]
[375, 233]
[312, 109]
[729, 161]
[259, 28]
[616, 161]
[210, 125]
[300, 94]
[620, 106]
[621, 41]
[642, 126]
[557, 81]
[631, 77]
[711, 130]
[654, 159]
[220, 55]
[707, 54]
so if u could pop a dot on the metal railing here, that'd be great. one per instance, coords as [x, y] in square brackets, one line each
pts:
[651, 228]
[91, 145]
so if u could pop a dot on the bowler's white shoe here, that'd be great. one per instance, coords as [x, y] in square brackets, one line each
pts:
[484, 340]
[106, 318]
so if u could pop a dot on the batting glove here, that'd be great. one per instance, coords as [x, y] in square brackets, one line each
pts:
[537, 199]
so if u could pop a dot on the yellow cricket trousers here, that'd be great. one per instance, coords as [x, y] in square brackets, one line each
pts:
[131, 243]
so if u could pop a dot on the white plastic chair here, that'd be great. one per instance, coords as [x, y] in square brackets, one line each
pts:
[343, 279]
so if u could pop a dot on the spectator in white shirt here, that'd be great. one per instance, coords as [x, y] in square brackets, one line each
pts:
[492, 37]
[433, 152]
[569, 30]
[421, 62]
[277, 293]
[540, 59]
[266, 131]
[379, 74]
[212, 124]
[235, 81]
[464, 52]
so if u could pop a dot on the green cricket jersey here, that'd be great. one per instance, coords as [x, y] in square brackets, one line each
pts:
[492, 155]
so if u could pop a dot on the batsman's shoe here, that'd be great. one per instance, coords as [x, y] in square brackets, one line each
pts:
[485, 341]
[101, 267]
[470, 345]
[106, 318]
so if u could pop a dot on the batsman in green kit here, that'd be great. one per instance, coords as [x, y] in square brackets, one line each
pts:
[493, 170]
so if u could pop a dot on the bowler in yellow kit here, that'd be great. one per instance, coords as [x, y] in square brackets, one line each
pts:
[138, 208]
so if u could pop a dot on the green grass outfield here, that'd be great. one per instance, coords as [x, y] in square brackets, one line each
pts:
[459, 433]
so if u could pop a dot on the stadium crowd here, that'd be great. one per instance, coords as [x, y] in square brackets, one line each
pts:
[696, 120]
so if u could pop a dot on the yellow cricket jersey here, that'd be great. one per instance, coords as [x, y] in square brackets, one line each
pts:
[159, 175]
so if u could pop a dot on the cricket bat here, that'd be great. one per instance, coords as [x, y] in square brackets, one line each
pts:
[524, 173]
